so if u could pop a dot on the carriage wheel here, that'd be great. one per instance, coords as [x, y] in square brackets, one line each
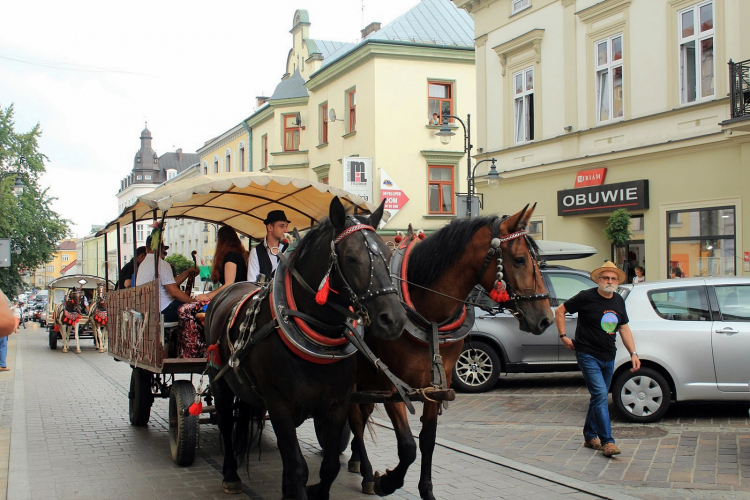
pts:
[140, 397]
[52, 339]
[345, 436]
[183, 427]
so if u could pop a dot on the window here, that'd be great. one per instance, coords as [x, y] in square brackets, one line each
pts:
[65, 257]
[228, 162]
[536, 230]
[567, 285]
[264, 140]
[523, 89]
[205, 168]
[324, 123]
[703, 244]
[681, 304]
[216, 165]
[124, 235]
[696, 39]
[351, 100]
[50, 269]
[291, 133]
[147, 177]
[242, 159]
[439, 102]
[519, 5]
[734, 302]
[139, 177]
[441, 192]
[139, 233]
[609, 103]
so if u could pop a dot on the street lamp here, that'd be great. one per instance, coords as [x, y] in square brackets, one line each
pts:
[493, 177]
[19, 185]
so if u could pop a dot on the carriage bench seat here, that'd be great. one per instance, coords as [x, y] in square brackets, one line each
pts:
[170, 324]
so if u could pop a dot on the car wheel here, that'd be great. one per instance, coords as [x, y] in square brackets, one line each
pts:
[641, 396]
[477, 368]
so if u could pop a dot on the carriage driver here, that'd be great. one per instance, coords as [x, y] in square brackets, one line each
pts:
[170, 295]
[266, 262]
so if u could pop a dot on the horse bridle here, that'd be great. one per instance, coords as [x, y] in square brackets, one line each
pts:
[501, 281]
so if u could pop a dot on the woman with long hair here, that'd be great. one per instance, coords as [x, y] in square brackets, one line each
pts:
[230, 266]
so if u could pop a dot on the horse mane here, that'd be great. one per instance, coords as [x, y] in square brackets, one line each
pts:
[432, 257]
[319, 234]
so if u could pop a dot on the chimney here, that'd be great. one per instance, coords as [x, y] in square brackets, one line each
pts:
[260, 101]
[179, 154]
[370, 28]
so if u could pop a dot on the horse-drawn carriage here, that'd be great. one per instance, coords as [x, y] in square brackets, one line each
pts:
[67, 313]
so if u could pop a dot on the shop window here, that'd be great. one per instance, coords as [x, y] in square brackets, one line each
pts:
[609, 78]
[441, 190]
[351, 100]
[291, 133]
[324, 123]
[703, 243]
[519, 5]
[681, 304]
[439, 102]
[523, 90]
[696, 45]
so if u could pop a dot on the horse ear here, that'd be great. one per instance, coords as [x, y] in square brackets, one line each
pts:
[517, 221]
[337, 214]
[527, 215]
[377, 215]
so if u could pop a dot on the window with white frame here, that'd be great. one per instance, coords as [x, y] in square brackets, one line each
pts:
[65, 257]
[139, 234]
[50, 269]
[519, 5]
[228, 161]
[523, 91]
[609, 78]
[696, 39]
[241, 158]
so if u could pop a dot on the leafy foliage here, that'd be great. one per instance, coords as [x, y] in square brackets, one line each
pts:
[28, 220]
[180, 263]
[617, 229]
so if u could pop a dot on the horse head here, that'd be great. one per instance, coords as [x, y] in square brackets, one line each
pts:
[101, 297]
[73, 300]
[356, 260]
[517, 273]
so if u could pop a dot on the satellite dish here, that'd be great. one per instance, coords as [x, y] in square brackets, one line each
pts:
[331, 115]
[298, 119]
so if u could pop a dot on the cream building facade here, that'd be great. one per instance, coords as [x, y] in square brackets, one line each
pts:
[592, 105]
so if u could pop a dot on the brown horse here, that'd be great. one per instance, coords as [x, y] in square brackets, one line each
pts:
[450, 262]
[98, 318]
[67, 316]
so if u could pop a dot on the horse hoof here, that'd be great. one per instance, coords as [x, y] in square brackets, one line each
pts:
[78, 351]
[368, 488]
[65, 349]
[232, 487]
[376, 485]
[354, 466]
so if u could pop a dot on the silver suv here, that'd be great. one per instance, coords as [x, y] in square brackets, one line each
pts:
[498, 346]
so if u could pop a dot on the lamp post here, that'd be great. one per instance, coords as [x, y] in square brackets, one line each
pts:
[19, 185]
[445, 135]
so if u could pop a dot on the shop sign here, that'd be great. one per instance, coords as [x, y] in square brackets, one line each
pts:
[632, 195]
[593, 177]
[746, 261]
[394, 197]
[358, 176]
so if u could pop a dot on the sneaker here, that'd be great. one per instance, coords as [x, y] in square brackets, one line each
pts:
[594, 444]
[610, 449]
[4, 369]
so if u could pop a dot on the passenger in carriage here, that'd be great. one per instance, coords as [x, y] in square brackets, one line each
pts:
[266, 262]
[230, 266]
[170, 295]
[126, 273]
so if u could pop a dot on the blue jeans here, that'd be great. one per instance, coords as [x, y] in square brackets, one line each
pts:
[170, 312]
[598, 375]
[3, 351]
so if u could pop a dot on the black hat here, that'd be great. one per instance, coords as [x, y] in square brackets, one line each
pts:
[276, 216]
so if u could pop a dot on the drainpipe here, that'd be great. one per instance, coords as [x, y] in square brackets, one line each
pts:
[249, 146]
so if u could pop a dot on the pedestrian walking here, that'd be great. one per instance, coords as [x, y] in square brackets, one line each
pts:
[601, 314]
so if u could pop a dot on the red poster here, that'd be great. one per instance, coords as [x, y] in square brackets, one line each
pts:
[593, 177]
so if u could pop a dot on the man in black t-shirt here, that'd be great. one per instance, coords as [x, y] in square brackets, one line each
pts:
[126, 279]
[601, 314]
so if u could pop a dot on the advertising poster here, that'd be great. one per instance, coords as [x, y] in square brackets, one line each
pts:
[358, 176]
[394, 197]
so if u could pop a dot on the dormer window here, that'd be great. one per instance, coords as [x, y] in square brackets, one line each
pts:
[156, 160]
[138, 159]
[139, 178]
[148, 177]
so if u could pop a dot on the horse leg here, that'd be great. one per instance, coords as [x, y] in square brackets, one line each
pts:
[294, 476]
[105, 339]
[360, 462]
[427, 448]
[223, 399]
[78, 344]
[407, 451]
[99, 334]
[65, 333]
[333, 427]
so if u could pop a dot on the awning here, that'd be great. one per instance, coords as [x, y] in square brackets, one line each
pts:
[72, 281]
[241, 200]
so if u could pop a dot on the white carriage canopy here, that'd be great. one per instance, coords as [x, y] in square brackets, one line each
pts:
[241, 200]
[74, 281]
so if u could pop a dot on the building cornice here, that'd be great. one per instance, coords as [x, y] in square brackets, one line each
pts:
[260, 116]
[529, 40]
[292, 101]
[437, 156]
[225, 138]
[602, 10]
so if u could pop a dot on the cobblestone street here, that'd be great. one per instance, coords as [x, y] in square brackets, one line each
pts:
[64, 433]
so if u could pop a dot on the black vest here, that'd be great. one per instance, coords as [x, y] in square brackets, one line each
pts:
[264, 262]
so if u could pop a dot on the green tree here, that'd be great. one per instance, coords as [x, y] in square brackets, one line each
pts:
[617, 229]
[180, 263]
[28, 220]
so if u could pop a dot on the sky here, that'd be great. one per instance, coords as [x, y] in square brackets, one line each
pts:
[92, 72]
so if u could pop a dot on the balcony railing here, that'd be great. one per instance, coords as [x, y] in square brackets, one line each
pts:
[739, 93]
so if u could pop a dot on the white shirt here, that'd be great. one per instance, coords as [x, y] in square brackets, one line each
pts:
[253, 266]
[146, 274]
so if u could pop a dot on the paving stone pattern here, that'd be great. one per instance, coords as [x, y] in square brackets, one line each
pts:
[71, 440]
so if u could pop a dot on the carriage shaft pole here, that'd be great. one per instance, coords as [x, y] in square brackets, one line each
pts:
[423, 395]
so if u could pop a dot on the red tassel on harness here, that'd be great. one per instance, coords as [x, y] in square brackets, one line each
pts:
[498, 294]
[56, 328]
[196, 408]
[397, 239]
[322, 296]
[214, 358]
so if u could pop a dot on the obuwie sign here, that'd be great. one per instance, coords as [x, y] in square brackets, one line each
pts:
[632, 195]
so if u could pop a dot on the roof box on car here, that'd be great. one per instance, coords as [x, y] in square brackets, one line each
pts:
[561, 250]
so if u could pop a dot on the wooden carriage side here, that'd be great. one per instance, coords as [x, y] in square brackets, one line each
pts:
[136, 336]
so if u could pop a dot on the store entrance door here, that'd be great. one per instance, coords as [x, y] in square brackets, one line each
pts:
[632, 255]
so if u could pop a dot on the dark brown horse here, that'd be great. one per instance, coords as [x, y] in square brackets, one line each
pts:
[67, 316]
[308, 378]
[451, 262]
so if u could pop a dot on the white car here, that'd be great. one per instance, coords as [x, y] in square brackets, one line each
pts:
[693, 339]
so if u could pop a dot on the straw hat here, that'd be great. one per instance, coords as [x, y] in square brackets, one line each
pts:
[609, 266]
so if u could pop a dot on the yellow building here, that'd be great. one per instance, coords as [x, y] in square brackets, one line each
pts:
[65, 256]
[366, 109]
[592, 105]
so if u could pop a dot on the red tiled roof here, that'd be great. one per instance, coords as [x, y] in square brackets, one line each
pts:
[67, 245]
[68, 267]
